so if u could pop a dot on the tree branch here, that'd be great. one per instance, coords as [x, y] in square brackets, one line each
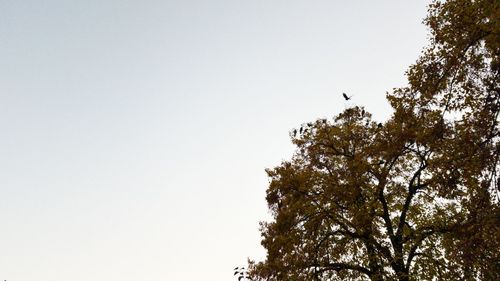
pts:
[412, 189]
[339, 266]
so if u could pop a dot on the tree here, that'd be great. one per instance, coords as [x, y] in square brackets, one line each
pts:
[414, 198]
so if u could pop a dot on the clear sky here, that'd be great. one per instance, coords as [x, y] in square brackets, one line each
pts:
[134, 133]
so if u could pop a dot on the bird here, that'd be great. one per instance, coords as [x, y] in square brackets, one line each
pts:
[379, 125]
[346, 97]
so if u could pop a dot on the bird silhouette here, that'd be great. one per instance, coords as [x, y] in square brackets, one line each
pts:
[241, 272]
[379, 125]
[346, 97]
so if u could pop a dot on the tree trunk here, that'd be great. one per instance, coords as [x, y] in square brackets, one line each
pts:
[403, 275]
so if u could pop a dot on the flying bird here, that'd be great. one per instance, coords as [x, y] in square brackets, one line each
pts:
[346, 97]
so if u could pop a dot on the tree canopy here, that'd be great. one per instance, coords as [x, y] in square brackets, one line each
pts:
[413, 198]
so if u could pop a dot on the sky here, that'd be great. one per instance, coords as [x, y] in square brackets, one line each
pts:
[134, 134]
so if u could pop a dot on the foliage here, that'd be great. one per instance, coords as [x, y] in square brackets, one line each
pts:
[414, 198]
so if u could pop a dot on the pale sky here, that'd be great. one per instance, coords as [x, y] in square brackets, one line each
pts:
[135, 134]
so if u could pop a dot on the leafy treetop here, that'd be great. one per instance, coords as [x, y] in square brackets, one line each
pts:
[414, 198]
